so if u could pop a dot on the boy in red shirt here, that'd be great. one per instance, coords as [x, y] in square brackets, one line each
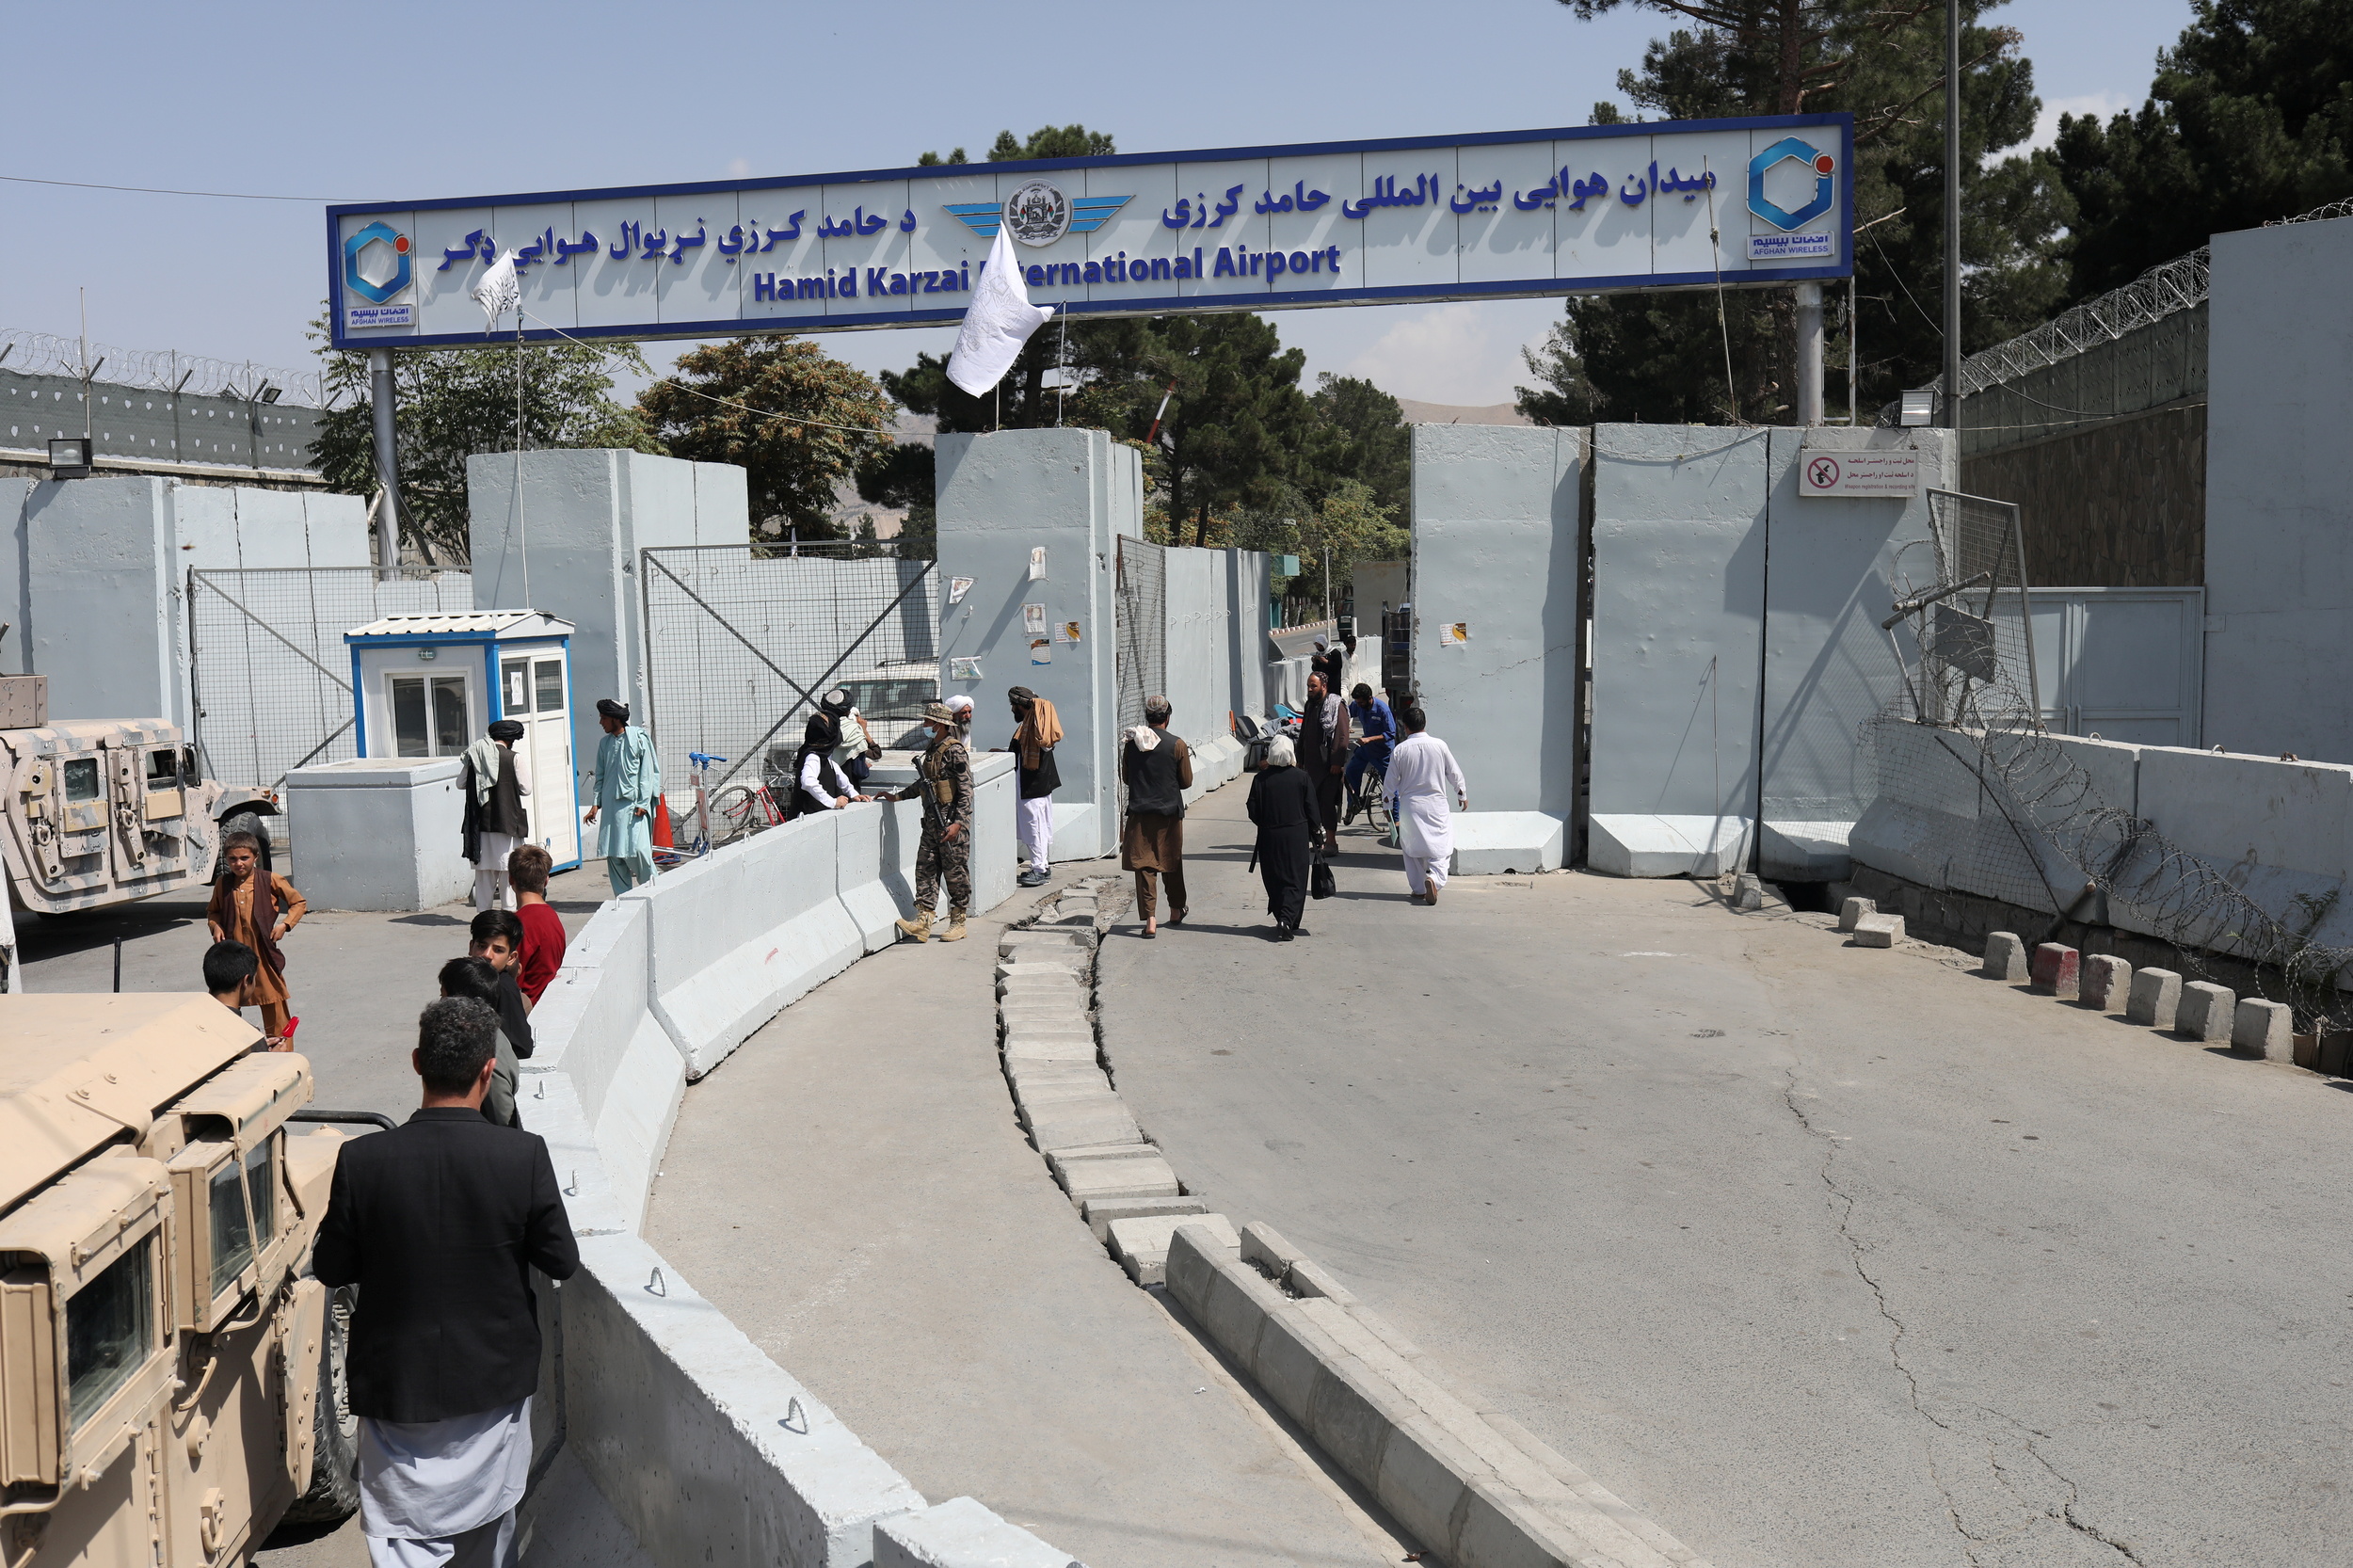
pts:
[527, 870]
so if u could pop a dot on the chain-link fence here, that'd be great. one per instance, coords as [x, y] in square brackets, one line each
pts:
[1140, 650]
[268, 670]
[2038, 825]
[742, 642]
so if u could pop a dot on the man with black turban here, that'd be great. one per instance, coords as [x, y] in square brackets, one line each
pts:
[629, 780]
[495, 782]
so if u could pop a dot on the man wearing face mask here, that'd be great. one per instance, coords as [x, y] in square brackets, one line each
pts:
[943, 782]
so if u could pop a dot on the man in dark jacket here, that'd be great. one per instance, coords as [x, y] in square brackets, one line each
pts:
[1323, 754]
[439, 1224]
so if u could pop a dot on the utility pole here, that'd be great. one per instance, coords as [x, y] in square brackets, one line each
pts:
[1809, 354]
[1952, 215]
[380, 407]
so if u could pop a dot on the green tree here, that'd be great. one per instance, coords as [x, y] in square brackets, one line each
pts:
[1361, 436]
[903, 474]
[2249, 119]
[1729, 355]
[452, 403]
[794, 418]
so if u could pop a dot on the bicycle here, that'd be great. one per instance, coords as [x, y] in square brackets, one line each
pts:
[744, 809]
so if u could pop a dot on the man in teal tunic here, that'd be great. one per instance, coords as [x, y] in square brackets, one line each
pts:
[629, 776]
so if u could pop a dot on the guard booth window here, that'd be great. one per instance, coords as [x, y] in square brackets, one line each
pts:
[428, 716]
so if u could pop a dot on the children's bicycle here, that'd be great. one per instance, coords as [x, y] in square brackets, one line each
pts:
[744, 809]
[700, 844]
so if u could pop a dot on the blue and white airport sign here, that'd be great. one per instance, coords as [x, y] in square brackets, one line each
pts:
[1587, 210]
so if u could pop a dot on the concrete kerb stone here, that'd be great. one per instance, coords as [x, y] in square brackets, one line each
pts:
[1853, 910]
[1461, 1484]
[961, 1533]
[2004, 957]
[2263, 1029]
[1067, 1126]
[1878, 931]
[2206, 1012]
[2057, 971]
[1140, 1242]
[1098, 1214]
[2156, 998]
[2106, 982]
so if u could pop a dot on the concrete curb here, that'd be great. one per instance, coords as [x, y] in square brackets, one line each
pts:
[1477, 1495]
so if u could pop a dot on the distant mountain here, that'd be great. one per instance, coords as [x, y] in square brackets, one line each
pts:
[1461, 413]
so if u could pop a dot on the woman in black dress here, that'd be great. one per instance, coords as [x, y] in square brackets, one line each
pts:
[1282, 803]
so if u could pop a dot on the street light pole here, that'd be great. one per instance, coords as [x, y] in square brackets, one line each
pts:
[1952, 215]
[380, 395]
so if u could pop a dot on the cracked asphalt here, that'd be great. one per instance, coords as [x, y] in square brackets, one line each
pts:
[1822, 1255]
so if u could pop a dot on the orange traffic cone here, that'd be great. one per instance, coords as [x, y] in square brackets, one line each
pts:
[662, 822]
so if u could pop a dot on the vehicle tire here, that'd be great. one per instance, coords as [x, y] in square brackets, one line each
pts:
[732, 814]
[334, 1490]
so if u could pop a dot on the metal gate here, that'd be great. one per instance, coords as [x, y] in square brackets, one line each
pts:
[269, 675]
[741, 643]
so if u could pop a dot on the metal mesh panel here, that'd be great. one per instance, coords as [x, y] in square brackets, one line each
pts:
[1140, 650]
[269, 669]
[1964, 753]
[741, 643]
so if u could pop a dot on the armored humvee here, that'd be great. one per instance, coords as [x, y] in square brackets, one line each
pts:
[170, 1374]
[98, 811]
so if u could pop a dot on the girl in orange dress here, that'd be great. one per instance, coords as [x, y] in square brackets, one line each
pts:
[233, 917]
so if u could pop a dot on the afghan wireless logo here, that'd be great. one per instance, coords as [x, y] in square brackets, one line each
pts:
[356, 250]
[1791, 150]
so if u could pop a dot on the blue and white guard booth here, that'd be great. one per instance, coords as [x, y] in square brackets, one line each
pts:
[427, 685]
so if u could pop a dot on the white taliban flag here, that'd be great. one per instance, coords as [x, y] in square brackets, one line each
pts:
[500, 289]
[998, 322]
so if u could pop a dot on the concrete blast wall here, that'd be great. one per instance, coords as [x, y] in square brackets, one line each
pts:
[585, 514]
[93, 578]
[2279, 574]
[1736, 651]
[1072, 494]
[2280, 832]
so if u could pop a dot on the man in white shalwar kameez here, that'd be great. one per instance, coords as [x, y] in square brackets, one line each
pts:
[1422, 771]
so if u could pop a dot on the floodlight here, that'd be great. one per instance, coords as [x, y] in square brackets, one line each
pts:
[1920, 407]
[269, 394]
[69, 455]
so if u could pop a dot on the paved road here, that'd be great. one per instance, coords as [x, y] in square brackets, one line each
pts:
[1824, 1257]
[851, 1188]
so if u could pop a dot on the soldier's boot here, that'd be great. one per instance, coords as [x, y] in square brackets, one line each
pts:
[955, 926]
[917, 929]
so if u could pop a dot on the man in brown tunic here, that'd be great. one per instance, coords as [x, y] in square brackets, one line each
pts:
[256, 908]
[1157, 770]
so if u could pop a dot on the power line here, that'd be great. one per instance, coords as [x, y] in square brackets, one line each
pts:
[158, 190]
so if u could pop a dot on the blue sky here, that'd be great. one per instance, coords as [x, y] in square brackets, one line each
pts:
[429, 98]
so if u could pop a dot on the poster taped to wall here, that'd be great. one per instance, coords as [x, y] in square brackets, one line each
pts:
[1037, 564]
[1454, 634]
[964, 669]
[1033, 620]
[958, 588]
[1041, 651]
[1069, 633]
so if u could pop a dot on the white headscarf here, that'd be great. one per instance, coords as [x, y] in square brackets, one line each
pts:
[1280, 753]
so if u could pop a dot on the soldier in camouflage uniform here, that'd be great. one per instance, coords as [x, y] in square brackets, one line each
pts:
[944, 783]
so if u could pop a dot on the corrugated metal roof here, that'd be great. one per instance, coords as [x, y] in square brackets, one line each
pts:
[469, 623]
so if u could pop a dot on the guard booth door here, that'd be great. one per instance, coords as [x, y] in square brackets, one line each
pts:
[535, 689]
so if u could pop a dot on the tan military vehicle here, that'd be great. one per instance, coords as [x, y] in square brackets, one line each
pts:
[98, 811]
[169, 1375]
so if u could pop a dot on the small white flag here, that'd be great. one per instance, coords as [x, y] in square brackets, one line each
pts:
[998, 322]
[500, 289]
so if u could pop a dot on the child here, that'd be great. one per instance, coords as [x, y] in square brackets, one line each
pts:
[498, 939]
[543, 929]
[256, 909]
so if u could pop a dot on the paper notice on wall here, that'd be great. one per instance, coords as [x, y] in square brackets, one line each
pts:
[1041, 651]
[1033, 620]
[1069, 633]
[1037, 564]
[958, 588]
[1454, 634]
[964, 669]
[1890, 472]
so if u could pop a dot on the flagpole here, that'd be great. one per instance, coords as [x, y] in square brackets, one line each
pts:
[522, 536]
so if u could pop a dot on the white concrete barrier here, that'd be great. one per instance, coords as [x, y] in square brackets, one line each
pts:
[704, 1449]
[739, 935]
